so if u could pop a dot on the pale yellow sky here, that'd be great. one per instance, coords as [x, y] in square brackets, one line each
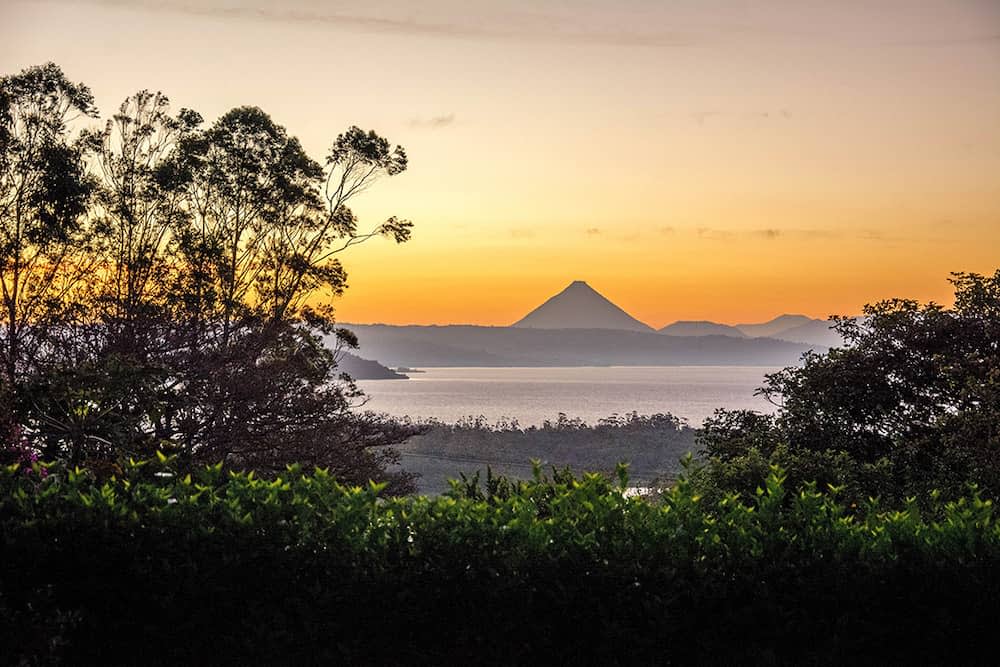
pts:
[691, 160]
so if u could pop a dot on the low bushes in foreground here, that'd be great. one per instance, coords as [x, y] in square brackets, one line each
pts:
[155, 567]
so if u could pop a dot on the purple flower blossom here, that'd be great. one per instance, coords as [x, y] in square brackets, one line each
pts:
[16, 448]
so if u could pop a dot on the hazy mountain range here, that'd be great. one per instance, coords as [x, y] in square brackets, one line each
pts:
[580, 327]
[793, 328]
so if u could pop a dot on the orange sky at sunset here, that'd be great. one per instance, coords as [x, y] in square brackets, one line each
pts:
[690, 160]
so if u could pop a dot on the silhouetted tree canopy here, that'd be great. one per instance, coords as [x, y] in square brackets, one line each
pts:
[167, 285]
[45, 190]
[909, 404]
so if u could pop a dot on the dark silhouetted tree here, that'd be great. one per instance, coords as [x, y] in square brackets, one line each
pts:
[211, 258]
[44, 193]
[909, 404]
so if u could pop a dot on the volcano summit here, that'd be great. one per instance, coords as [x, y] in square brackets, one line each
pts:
[580, 306]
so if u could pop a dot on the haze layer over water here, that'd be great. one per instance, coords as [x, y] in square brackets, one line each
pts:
[532, 395]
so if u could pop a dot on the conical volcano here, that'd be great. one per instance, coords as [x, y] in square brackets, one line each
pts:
[580, 306]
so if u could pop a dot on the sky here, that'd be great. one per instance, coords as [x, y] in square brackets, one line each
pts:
[693, 159]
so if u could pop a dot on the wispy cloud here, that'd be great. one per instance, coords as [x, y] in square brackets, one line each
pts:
[522, 233]
[780, 114]
[871, 235]
[554, 22]
[767, 234]
[527, 26]
[817, 233]
[434, 122]
[268, 11]
[775, 234]
[704, 116]
[713, 234]
[960, 40]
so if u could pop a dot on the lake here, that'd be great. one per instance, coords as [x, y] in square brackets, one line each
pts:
[532, 395]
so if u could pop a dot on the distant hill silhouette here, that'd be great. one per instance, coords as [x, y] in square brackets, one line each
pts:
[580, 306]
[366, 369]
[814, 332]
[461, 345]
[701, 328]
[796, 329]
[772, 328]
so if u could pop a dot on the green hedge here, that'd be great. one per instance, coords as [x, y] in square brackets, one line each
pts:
[148, 567]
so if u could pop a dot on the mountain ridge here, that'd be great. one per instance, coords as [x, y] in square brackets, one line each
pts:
[774, 326]
[700, 328]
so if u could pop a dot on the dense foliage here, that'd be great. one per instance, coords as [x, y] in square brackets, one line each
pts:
[652, 445]
[154, 566]
[165, 285]
[911, 403]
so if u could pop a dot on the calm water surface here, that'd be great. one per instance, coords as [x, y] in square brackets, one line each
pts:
[532, 395]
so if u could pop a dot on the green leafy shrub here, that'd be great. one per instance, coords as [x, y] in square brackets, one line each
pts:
[157, 567]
